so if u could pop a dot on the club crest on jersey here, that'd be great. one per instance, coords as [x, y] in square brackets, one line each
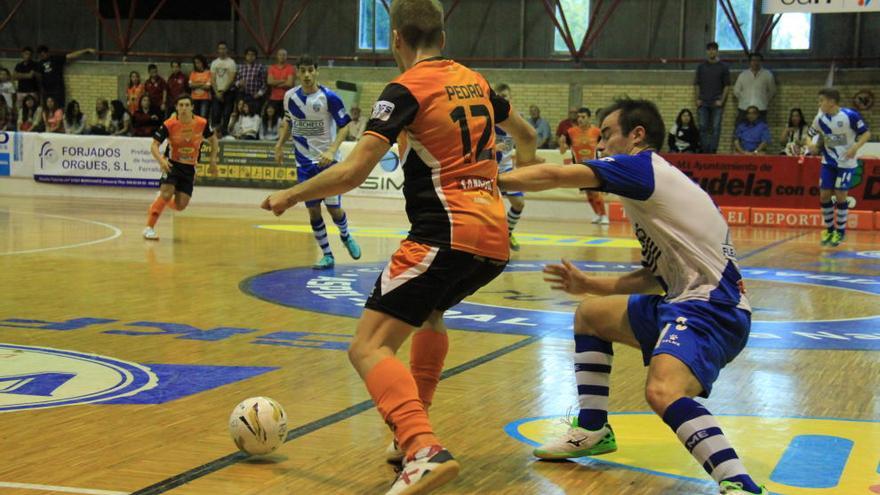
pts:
[382, 110]
[316, 106]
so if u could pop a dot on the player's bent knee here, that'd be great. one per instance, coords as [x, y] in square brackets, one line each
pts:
[660, 395]
[587, 321]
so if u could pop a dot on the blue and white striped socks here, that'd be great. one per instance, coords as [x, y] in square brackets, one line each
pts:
[702, 436]
[828, 214]
[320, 231]
[842, 214]
[592, 369]
[342, 224]
[512, 219]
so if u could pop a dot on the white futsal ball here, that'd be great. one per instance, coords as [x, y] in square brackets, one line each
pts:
[258, 425]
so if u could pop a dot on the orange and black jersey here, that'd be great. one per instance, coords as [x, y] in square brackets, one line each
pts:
[444, 115]
[184, 140]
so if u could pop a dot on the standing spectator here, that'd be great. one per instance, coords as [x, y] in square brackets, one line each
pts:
[684, 136]
[200, 85]
[74, 120]
[30, 116]
[146, 119]
[120, 121]
[51, 69]
[53, 117]
[271, 119]
[356, 126]
[26, 73]
[7, 89]
[177, 85]
[7, 116]
[564, 125]
[155, 87]
[712, 86]
[102, 123]
[754, 87]
[752, 135]
[250, 79]
[280, 79]
[134, 91]
[540, 125]
[795, 138]
[222, 80]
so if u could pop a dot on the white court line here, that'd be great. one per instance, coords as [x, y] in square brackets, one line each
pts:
[65, 489]
[116, 233]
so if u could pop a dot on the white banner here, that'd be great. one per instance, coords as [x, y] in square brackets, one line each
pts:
[386, 179]
[820, 6]
[91, 160]
[7, 153]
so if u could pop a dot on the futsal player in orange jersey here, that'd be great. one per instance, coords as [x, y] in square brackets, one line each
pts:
[184, 132]
[583, 139]
[458, 241]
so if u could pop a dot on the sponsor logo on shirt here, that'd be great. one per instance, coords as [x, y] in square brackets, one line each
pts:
[382, 110]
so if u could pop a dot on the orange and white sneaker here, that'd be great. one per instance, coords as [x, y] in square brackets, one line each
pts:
[431, 468]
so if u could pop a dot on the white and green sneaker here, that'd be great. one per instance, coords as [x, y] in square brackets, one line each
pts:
[826, 238]
[578, 442]
[325, 263]
[732, 488]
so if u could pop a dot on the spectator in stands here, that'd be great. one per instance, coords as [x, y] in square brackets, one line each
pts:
[244, 123]
[155, 88]
[222, 81]
[102, 122]
[30, 117]
[7, 116]
[51, 70]
[146, 119]
[684, 137]
[134, 91]
[120, 120]
[564, 125]
[540, 126]
[711, 85]
[7, 89]
[74, 120]
[795, 138]
[200, 85]
[356, 126]
[280, 79]
[250, 79]
[26, 73]
[752, 136]
[269, 127]
[756, 87]
[53, 116]
[176, 86]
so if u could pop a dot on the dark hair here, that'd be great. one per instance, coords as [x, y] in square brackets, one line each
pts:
[275, 118]
[712, 44]
[46, 101]
[42, 49]
[800, 113]
[755, 55]
[201, 58]
[831, 94]
[419, 22]
[682, 112]
[501, 87]
[174, 61]
[250, 49]
[639, 113]
[306, 60]
[152, 66]
[4, 69]
[749, 109]
[27, 49]
[222, 42]
[184, 96]
[586, 111]
[117, 110]
[25, 113]
[130, 74]
[69, 115]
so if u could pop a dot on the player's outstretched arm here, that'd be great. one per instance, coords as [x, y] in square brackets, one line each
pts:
[338, 179]
[567, 277]
[525, 136]
[548, 176]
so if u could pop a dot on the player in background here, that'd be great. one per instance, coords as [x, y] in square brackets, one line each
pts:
[504, 154]
[319, 125]
[582, 139]
[184, 132]
[687, 335]
[444, 114]
[843, 132]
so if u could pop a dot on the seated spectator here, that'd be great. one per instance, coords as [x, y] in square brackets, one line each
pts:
[564, 125]
[134, 91]
[795, 138]
[244, 123]
[146, 120]
[101, 123]
[7, 89]
[752, 136]
[541, 127]
[30, 117]
[684, 137]
[7, 116]
[271, 119]
[177, 85]
[74, 120]
[53, 117]
[356, 126]
[200, 85]
[120, 120]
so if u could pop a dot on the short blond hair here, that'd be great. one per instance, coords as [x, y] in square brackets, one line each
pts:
[419, 22]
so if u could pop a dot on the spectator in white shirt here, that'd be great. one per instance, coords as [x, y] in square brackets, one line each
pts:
[222, 77]
[754, 87]
[356, 126]
[244, 123]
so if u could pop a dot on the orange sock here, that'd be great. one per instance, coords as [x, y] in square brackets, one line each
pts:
[154, 211]
[172, 204]
[396, 396]
[426, 358]
[597, 202]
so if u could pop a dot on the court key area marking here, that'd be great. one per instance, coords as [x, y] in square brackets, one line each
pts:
[116, 233]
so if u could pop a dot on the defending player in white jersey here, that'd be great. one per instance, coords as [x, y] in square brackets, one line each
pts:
[686, 336]
[843, 132]
[504, 154]
[319, 125]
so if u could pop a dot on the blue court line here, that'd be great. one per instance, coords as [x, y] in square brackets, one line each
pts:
[228, 460]
[772, 245]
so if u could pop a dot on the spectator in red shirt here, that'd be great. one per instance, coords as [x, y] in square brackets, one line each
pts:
[155, 87]
[565, 125]
[176, 86]
[281, 77]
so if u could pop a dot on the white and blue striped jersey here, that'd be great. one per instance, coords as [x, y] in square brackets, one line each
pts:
[314, 120]
[839, 133]
[504, 158]
[685, 239]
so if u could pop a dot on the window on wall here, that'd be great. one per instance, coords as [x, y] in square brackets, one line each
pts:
[792, 32]
[577, 13]
[725, 36]
[374, 26]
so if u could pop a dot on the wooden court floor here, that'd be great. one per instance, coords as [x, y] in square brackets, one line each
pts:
[121, 359]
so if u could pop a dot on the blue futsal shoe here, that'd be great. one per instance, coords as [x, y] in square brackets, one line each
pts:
[325, 263]
[353, 249]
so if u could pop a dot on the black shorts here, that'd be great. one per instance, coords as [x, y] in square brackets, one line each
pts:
[420, 279]
[181, 176]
